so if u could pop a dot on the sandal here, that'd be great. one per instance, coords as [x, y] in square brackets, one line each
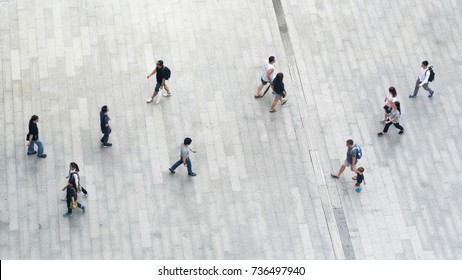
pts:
[284, 102]
[258, 96]
[272, 111]
[334, 176]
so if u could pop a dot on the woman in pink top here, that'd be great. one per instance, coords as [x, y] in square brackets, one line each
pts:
[389, 100]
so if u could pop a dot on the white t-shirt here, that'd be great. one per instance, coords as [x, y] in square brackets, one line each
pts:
[266, 67]
[390, 100]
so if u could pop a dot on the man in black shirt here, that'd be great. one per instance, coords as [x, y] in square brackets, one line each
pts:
[105, 128]
[33, 138]
[161, 76]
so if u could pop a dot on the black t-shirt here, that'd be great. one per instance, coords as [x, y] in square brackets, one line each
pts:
[278, 87]
[160, 75]
[70, 192]
[33, 129]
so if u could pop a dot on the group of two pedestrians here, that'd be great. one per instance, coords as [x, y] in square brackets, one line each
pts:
[275, 82]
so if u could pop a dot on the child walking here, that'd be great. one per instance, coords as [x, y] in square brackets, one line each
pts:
[359, 179]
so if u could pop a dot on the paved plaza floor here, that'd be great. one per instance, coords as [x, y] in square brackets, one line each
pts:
[263, 189]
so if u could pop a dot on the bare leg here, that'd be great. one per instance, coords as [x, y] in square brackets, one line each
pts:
[342, 168]
[274, 103]
[167, 89]
[260, 87]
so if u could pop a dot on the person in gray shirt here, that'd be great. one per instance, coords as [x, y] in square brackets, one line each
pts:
[351, 160]
[393, 119]
[184, 157]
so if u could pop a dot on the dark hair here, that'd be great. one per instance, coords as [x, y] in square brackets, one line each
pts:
[104, 109]
[161, 63]
[271, 58]
[398, 106]
[187, 141]
[392, 90]
[425, 63]
[361, 169]
[350, 142]
[279, 77]
[75, 166]
[33, 118]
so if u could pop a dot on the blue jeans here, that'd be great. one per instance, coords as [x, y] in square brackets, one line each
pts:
[188, 164]
[106, 131]
[39, 144]
[425, 86]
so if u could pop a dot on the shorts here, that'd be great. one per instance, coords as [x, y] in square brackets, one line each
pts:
[277, 95]
[387, 109]
[157, 87]
[263, 82]
[346, 163]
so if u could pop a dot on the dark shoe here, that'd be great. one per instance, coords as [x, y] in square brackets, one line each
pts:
[192, 174]
[101, 140]
[42, 156]
[430, 95]
[65, 215]
[412, 95]
[172, 171]
[283, 102]
[333, 175]
[83, 208]
[107, 145]
[33, 153]
[258, 96]
[380, 134]
[401, 131]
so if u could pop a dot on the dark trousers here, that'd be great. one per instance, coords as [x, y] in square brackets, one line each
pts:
[106, 131]
[188, 164]
[69, 209]
[397, 125]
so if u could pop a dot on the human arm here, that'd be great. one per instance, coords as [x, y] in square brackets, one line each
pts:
[268, 75]
[194, 151]
[152, 73]
[392, 119]
[183, 158]
[31, 136]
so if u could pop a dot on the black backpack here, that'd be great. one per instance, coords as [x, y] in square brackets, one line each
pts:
[431, 78]
[166, 73]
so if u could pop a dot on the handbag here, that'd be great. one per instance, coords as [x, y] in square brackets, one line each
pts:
[74, 205]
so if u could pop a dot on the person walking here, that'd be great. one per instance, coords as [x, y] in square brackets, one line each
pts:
[423, 80]
[393, 119]
[359, 179]
[354, 153]
[162, 74]
[278, 91]
[269, 72]
[71, 200]
[389, 100]
[74, 178]
[105, 127]
[184, 157]
[32, 138]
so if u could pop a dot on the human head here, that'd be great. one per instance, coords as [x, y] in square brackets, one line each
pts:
[398, 106]
[160, 64]
[360, 169]
[349, 143]
[104, 109]
[271, 59]
[279, 77]
[187, 141]
[34, 119]
[74, 166]
[392, 91]
[424, 64]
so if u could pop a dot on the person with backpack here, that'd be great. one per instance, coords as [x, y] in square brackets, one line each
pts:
[33, 138]
[389, 100]
[354, 153]
[393, 119]
[426, 75]
[162, 74]
[278, 91]
[269, 72]
[71, 200]
[74, 178]
[105, 128]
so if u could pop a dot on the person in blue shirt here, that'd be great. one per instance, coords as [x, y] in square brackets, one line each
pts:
[105, 128]
[278, 91]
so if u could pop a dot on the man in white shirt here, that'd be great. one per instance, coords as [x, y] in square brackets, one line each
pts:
[268, 75]
[422, 80]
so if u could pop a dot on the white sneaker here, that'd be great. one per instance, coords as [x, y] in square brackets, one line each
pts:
[165, 94]
[149, 100]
